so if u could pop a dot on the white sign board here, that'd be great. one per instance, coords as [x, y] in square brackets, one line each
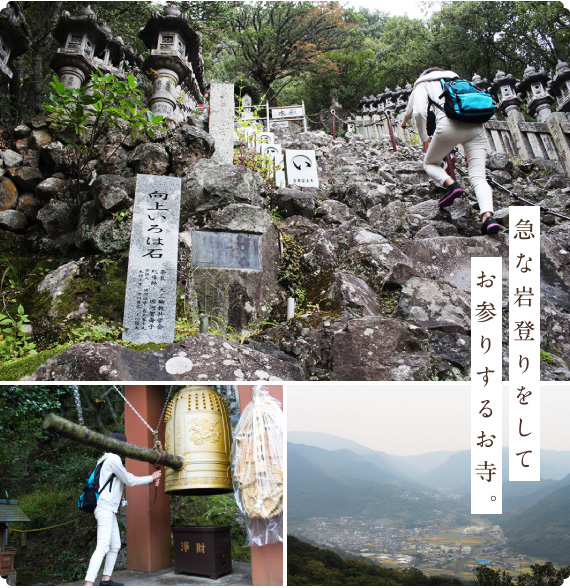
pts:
[287, 112]
[301, 168]
[276, 153]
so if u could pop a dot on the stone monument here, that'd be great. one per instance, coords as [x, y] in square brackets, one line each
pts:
[150, 301]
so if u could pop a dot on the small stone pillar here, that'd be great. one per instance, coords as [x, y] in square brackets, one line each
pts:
[533, 88]
[12, 43]
[481, 83]
[175, 59]
[247, 113]
[82, 38]
[222, 117]
[503, 89]
[559, 86]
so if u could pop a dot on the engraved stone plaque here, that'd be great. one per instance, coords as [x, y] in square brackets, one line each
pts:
[239, 251]
[150, 301]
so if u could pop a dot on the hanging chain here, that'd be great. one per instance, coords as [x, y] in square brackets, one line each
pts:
[134, 409]
[164, 409]
[78, 405]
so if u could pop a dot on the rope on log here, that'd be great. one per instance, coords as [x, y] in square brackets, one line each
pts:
[81, 434]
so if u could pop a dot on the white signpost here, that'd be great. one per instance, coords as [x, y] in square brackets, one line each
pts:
[301, 168]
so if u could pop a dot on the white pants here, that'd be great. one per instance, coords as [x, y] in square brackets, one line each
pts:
[108, 544]
[450, 133]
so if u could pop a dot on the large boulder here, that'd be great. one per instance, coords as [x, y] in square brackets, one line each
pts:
[112, 192]
[350, 292]
[291, 202]
[149, 158]
[207, 185]
[434, 304]
[58, 217]
[204, 358]
[109, 237]
[449, 258]
[8, 194]
[235, 294]
[380, 349]
[26, 177]
[13, 220]
[186, 145]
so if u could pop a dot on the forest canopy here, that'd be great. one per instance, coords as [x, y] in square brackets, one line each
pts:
[312, 51]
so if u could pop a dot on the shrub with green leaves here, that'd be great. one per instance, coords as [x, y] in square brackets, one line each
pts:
[14, 340]
[84, 115]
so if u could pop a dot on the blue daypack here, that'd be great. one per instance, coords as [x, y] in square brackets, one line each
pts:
[88, 499]
[465, 102]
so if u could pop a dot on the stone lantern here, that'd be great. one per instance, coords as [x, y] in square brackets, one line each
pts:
[388, 99]
[533, 88]
[112, 57]
[402, 97]
[560, 86]
[481, 83]
[82, 38]
[175, 59]
[12, 43]
[503, 90]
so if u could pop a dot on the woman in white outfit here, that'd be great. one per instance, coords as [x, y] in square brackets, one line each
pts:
[448, 134]
[108, 536]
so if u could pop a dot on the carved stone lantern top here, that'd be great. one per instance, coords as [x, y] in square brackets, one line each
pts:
[533, 88]
[481, 83]
[559, 86]
[169, 34]
[561, 78]
[15, 43]
[531, 78]
[83, 23]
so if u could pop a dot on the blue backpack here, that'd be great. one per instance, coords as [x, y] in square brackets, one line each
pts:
[465, 102]
[88, 500]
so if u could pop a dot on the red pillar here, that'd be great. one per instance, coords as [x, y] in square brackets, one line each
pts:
[266, 560]
[148, 532]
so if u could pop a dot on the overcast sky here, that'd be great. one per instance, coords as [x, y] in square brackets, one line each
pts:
[409, 419]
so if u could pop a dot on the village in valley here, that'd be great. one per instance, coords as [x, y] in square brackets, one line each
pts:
[439, 548]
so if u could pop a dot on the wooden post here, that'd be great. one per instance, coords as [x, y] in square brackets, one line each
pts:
[266, 560]
[148, 532]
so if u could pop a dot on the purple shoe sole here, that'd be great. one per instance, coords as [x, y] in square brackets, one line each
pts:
[450, 198]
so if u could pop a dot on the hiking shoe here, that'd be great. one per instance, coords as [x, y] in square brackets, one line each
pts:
[490, 226]
[454, 191]
[109, 583]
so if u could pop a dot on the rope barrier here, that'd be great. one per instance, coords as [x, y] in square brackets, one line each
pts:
[44, 528]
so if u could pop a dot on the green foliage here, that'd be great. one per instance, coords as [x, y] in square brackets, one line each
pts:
[84, 115]
[14, 340]
[122, 215]
[311, 566]
[16, 369]
[92, 330]
[291, 274]
[540, 575]
[547, 357]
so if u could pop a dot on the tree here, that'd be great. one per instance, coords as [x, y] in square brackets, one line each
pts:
[489, 577]
[280, 40]
[544, 575]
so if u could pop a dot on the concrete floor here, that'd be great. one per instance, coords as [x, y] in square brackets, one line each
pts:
[240, 576]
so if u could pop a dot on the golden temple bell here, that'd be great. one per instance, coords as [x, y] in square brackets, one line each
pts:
[197, 424]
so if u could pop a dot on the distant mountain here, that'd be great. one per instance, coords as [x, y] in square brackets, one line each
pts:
[543, 530]
[455, 471]
[411, 466]
[343, 483]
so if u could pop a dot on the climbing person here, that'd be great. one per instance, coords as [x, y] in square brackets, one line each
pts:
[108, 536]
[448, 134]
